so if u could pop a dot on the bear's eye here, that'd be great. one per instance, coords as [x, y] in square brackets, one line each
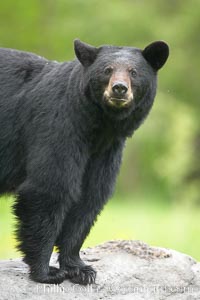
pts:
[133, 72]
[108, 70]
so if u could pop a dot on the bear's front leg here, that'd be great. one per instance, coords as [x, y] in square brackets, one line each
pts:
[98, 183]
[51, 188]
[74, 231]
[40, 219]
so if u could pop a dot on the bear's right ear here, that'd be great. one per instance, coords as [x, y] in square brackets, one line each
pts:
[156, 54]
[85, 53]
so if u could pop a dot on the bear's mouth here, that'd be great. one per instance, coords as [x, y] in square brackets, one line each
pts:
[118, 102]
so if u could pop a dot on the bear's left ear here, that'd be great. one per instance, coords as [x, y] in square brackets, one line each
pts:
[85, 53]
[156, 54]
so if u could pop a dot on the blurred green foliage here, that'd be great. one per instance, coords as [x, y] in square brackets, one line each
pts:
[162, 161]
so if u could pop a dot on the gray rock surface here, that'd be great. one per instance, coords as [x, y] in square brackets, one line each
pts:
[126, 270]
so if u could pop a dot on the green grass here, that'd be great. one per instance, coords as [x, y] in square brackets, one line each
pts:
[160, 225]
[164, 226]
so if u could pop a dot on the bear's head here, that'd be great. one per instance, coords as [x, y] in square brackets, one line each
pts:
[120, 79]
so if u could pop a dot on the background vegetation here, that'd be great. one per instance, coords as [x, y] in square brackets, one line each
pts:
[157, 197]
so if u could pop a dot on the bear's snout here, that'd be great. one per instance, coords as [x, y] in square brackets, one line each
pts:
[119, 89]
[118, 93]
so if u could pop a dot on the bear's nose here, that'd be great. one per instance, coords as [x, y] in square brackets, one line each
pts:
[119, 88]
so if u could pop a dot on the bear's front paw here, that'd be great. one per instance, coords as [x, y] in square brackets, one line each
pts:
[55, 276]
[82, 275]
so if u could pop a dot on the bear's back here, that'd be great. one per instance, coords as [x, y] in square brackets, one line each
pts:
[8, 56]
[16, 68]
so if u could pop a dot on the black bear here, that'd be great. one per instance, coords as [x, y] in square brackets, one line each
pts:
[63, 128]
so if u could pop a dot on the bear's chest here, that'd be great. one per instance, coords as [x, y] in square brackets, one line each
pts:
[102, 138]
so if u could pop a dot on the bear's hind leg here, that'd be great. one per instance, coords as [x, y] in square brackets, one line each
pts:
[40, 219]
